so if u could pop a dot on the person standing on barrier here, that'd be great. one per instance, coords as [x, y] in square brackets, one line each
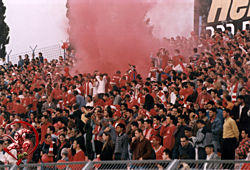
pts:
[140, 146]
[230, 137]
[121, 143]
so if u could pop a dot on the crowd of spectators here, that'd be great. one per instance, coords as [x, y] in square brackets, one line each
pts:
[189, 107]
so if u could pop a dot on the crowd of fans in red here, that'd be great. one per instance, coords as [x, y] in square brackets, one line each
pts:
[188, 107]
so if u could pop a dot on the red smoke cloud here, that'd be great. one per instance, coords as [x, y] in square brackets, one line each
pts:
[110, 34]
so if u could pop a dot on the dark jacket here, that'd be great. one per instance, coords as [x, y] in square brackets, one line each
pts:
[244, 118]
[149, 102]
[141, 149]
[187, 152]
[121, 146]
[107, 153]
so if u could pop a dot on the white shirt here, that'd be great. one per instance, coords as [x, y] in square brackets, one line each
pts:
[9, 158]
[102, 85]
[172, 98]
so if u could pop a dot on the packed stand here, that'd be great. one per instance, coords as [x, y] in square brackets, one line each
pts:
[192, 106]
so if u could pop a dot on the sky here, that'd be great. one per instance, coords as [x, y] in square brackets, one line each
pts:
[44, 23]
[35, 22]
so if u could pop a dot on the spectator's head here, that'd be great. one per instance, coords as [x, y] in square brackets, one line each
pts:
[226, 113]
[156, 140]
[44, 119]
[105, 122]
[188, 131]
[200, 123]
[148, 124]
[202, 113]
[170, 120]
[129, 113]
[209, 149]
[212, 113]
[244, 134]
[106, 136]
[64, 153]
[138, 133]
[51, 130]
[62, 137]
[241, 100]
[48, 138]
[184, 141]
[134, 126]
[76, 144]
[1, 131]
[157, 120]
[166, 155]
[181, 119]
[120, 128]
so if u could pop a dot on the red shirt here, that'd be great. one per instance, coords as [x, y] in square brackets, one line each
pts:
[56, 94]
[78, 157]
[168, 136]
[44, 131]
[158, 152]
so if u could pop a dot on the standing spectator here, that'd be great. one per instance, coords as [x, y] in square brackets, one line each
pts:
[216, 128]
[79, 155]
[121, 143]
[203, 98]
[107, 149]
[49, 149]
[241, 113]
[149, 100]
[167, 132]
[79, 99]
[51, 131]
[106, 127]
[202, 137]
[140, 146]
[117, 97]
[156, 140]
[149, 130]
[44, 126]
[20, 62]
[186, 150]
[180, 132]
[40, 55]
[102, 81]
[230, 137]
[62, 145]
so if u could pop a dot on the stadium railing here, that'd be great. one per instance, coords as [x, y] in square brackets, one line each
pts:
[137, 165]
[49, 52]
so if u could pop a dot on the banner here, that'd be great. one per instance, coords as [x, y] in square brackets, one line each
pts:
[216, 15]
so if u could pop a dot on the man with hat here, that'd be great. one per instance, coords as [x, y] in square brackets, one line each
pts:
[211, 156]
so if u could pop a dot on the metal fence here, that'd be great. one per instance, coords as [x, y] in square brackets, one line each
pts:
[137, 165]
[49, 52]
